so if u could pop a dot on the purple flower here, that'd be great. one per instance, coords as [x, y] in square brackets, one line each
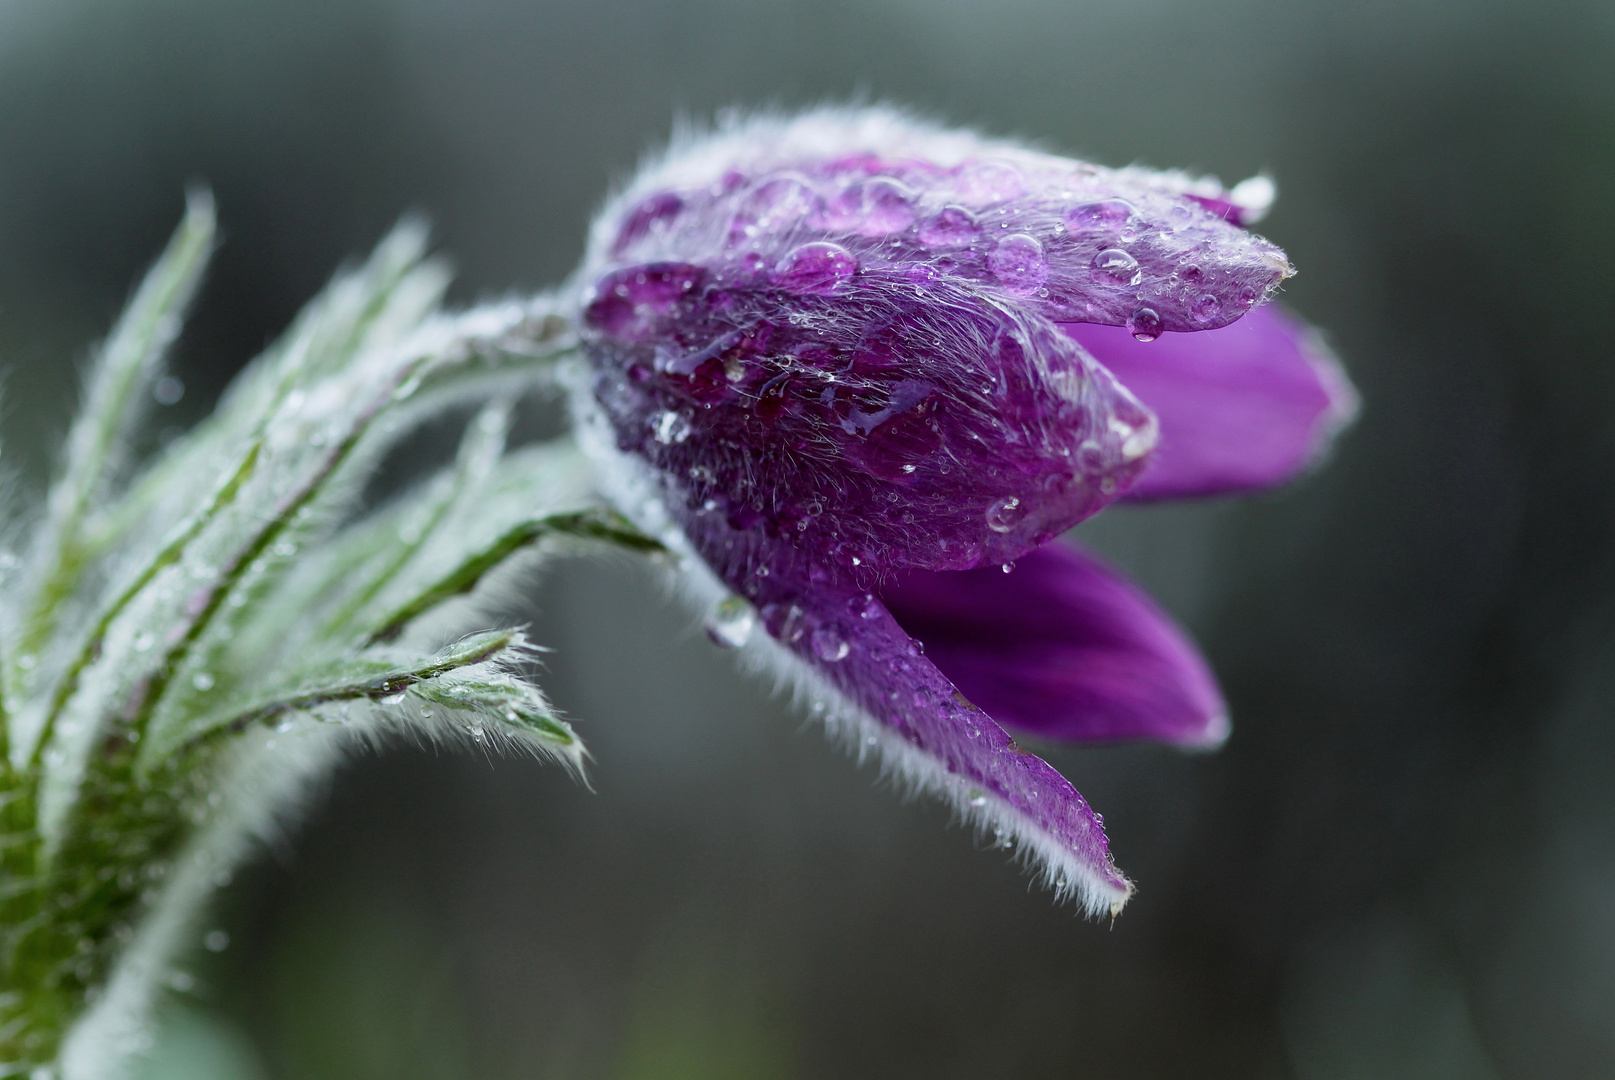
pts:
[856, 368]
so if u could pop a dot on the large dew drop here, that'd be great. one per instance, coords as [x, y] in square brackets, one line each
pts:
[949, 227]
[1118, 266]
[669, 427]
[1145, 324]
[819, 267]
[1005, 514]
[731, 623]
[829, 645]
[1019, 265]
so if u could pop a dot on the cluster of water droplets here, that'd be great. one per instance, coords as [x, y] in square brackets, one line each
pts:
[1077, 242]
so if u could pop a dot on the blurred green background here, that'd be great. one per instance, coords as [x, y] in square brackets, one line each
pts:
[1401, 866]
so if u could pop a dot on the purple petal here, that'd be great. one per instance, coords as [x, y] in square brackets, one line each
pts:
[905, 425]
[878, 691]
[1064, 239]
[1063, 648]
[1241, 408]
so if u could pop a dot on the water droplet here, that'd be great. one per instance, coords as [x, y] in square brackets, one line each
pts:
[1008, 568]
[1248, 296]
[284, 549]
[409, 386]
[27, 661]
[1118, 265]
[864, 605]
[145, 641]
[476, 732]
[670, 427]
[819, 268]
[1005, 514]
[1205, 308]
[284, 726]
[975, 799]
[1108, 215]
[1144, 324]
[426, 712]
[168, 390]
[202, 681]
[870, 740]
[829, 645]
[982, 183]
[878, 206]
[392, 699]
[949, 227]
[772, 206]
[787, 622]
[731, 623]
[216, 941]
[1019, 264]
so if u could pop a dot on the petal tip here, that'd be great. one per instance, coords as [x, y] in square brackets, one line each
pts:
[1211, 737]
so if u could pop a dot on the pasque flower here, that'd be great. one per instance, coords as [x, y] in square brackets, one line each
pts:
[857, 368]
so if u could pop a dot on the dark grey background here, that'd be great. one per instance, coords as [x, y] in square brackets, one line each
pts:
[1403, 863]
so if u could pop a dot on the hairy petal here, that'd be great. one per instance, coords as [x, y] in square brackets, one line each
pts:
[889, 697]
[1064, 239]
[912, 427]
[1242, 408]
[1063, 648]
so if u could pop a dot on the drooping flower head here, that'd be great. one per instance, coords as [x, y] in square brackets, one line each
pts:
[857, 366]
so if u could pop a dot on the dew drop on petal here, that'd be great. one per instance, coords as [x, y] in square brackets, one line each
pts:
[775, 204]
[864, 605]
[1118, 266]
[1205, 308]
[1008, 568]
[1005, 514]
[1019, 264]
[392, 699]
[983, 183]
[1144, 324]
[829, 645]
[819, 267]
[1108, 215]
[878, 206]
[976, 799]
[202, 681]
[731, 623]
[949, 227]
[670, 427]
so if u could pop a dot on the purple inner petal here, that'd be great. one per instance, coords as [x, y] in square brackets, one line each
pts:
[1241, 408]
[1062, 647]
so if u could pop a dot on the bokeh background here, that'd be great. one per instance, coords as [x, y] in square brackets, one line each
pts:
[1401, 866]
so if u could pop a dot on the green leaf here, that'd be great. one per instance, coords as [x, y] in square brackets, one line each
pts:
[116, 396]
[378, 675]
